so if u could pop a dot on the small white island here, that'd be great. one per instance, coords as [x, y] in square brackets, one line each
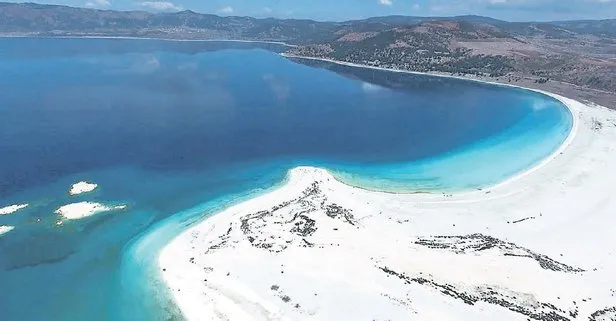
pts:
[12, 209]
[82, 187]
[75, 211]
[5, 229]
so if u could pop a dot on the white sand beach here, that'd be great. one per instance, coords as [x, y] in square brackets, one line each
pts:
[82, 187]
[12, 209]
[5, 229]
[75, 211]
[540, 246]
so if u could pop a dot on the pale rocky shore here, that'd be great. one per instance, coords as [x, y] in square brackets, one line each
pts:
[538, 247]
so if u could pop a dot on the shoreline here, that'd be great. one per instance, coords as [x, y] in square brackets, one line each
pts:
[315, 235]
[337, 214]
[210, 261]
[573, 91]
[563, 101]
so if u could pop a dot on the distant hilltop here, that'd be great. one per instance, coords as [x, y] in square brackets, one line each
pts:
[42, 19]
[578, 52]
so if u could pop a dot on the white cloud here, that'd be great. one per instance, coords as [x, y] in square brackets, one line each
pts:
[226, 10]
[98, 3]
[267, 10]
[160, 5]
[416, 6]
[386, 2]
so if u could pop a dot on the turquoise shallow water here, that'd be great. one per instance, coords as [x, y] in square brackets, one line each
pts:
[177, 131]
[481, 164]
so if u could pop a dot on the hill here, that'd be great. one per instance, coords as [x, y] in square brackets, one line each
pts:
[578, 52]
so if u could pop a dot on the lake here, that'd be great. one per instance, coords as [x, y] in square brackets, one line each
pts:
[178, 130]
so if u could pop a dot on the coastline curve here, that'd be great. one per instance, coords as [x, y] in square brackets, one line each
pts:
[405, 219]
[325, 175]
[565, 102]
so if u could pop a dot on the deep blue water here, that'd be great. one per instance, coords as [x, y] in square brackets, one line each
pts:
[178, 130]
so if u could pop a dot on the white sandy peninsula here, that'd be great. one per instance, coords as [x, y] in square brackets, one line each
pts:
[12, 209]
[82, 187]
[81, 210]
[540, 247]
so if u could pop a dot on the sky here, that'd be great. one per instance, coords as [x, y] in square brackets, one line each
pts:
[511, 10]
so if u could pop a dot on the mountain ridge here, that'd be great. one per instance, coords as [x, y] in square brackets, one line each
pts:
[18, 17]
[580, 52]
